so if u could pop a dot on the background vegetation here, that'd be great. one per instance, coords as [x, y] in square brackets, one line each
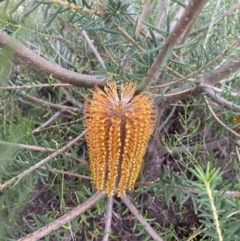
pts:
[184, 52]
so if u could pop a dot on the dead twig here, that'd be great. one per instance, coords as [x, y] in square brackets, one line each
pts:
[93, 48]
[141, 219]
[35, 86]
[142, 16]
[42, 149]
[54, 170]
[42, 162]
[108, 219]
[42, 232]
[48, 104]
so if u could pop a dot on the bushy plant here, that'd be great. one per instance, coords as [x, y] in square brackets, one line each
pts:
[185, 53]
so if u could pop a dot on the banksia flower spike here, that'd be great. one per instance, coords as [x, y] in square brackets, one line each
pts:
[119, 126]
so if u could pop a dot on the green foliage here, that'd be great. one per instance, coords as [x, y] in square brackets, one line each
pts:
[187, 198]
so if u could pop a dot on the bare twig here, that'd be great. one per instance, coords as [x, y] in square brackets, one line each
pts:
[207, 147]
[108, 219]
[93, 48]
[162, 12]
[48, 122]
[218, 120]
[54, 170]
[231, 10]
[34, 86]
[167, 119]
[71, 99]
[141, 219]
[42, 162]
[221, 101]
[142, 16]
[187, 189]
[42, 149]
[45, 66]
[218, 90]
[48, 104]
[237, 152]
[226, 194]
[42, 232]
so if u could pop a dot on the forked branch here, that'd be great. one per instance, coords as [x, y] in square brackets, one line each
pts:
[189, 15]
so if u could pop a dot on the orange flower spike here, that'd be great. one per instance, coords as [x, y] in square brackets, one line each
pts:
[119, 126]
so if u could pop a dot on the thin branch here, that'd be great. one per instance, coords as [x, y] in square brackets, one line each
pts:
[190, 14]
[42, 232]
[237, 152]
[48, 104]
[41, 149]
[187, 31]
[206, 147]
[167, 119]
[219, 100]
[141, 219]
[162, 12]
[108, 219]
[48, 122]
[51, 69]
[220, 56]
[179, 92]
[218, 90]
[71, 99]
[42, 162]
[142, 16]
[34, 86]
[219, 121]
[54, 170]
[187, 189]
[93, 48]
[230, 10]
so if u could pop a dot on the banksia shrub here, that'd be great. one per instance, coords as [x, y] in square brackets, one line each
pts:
[119, 126]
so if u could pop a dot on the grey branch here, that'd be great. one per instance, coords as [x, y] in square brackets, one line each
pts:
[221, 101]
[141, 219]
[221, 72]
[108, 220]
[45, 66]
[162, 9]
[143, 15]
